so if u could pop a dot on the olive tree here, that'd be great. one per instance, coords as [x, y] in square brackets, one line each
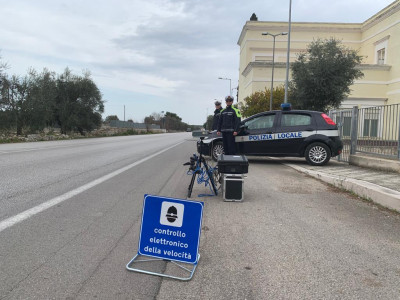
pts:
[79, 103]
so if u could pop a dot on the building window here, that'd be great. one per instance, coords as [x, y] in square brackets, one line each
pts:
[381, 56]
[370, 128]
[370, 117]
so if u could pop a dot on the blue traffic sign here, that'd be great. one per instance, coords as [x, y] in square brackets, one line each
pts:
[171, 228]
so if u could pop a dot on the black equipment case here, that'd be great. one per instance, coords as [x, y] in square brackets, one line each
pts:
[233, 185]
[233, 164]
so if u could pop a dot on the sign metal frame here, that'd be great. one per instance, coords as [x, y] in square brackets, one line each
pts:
[169, 234]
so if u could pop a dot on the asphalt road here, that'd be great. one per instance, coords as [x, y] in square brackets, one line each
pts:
[292, 237]
[69, 250]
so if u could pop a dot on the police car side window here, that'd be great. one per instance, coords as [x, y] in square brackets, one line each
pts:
[295, 120]
[261, 122]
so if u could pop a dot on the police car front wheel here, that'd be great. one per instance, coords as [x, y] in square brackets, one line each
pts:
[216, 150]
[317, 154]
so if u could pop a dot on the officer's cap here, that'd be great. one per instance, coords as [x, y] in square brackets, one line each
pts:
[217, 103]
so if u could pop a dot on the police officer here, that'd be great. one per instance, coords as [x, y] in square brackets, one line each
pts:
[217, 111]
[228, 124]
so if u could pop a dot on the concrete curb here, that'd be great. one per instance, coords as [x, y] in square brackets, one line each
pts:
[377, 194]
[376, 163]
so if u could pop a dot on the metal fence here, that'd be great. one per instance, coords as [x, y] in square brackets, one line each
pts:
[373, 130]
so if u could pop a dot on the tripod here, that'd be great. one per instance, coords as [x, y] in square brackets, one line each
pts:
[198, 170]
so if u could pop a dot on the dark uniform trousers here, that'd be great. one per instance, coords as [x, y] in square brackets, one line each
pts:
[228, 139]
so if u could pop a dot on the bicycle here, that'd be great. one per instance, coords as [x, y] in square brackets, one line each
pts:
[206, 173]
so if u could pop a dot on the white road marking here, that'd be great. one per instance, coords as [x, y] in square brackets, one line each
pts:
[42, 207]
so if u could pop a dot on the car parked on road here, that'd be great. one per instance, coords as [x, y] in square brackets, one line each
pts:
[291, 133]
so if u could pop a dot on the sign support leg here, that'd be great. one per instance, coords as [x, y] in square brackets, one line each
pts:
[137, 259]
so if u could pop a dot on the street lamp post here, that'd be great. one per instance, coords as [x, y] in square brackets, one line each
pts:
[230, 84]
[237, 94]
[288, 52]
[273, 65]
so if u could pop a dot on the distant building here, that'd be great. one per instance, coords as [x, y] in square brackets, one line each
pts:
[377, 40]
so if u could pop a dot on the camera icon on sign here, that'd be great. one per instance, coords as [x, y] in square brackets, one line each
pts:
[171, 214]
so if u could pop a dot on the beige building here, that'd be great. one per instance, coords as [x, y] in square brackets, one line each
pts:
[377, 40]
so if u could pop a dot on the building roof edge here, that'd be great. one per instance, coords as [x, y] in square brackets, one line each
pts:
[376, 18]
[381, 15]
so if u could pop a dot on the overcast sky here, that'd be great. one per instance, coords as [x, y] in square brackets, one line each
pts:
[151, 55]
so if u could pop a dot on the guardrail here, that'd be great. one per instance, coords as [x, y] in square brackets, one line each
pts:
[373, 130]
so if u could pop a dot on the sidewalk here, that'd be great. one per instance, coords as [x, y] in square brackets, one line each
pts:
[292, 237]
[380, 187]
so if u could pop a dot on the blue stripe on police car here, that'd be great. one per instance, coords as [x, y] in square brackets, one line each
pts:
[284, 135]
[276, 136]
[289, 135]
[261, 137]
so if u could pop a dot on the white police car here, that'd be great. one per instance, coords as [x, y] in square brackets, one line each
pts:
[292, 133]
